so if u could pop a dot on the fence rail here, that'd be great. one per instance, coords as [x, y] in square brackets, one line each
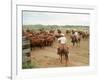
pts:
[25, 50]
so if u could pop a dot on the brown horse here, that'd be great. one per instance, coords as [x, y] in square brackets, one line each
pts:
[75, 40]
[63, 51]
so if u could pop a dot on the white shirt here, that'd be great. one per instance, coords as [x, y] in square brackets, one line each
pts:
[76, 34]
[62, 40]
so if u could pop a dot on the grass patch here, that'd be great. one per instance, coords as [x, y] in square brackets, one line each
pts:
[29, 65]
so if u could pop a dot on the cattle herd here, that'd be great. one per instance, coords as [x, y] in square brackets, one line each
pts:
[82, 33]
[44, 38]
[40, 39]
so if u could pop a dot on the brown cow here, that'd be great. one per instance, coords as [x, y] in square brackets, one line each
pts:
[36, 42]
[50, 40]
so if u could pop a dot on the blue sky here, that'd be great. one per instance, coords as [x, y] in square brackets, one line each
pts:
[31, 18]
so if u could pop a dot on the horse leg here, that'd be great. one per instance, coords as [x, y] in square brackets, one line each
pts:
[73, 44]
[66, 58]
[77, 43]
[61, 58]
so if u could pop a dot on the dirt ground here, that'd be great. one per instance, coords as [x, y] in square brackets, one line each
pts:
[47, 57]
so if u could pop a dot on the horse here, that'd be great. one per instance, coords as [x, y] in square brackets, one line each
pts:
[63, 51]
[75, 40]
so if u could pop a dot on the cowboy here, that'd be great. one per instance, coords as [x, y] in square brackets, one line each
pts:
[76, 35]
[62, 42]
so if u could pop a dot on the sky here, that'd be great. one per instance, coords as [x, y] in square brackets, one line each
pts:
[45, 18]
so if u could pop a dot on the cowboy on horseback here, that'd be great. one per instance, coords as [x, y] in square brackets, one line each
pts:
[75, 38]
[63, 50]
[76, 35]
[62, 41]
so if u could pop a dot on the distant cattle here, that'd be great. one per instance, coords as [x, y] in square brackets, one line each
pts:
[68, 31]
[84, 34]
[40, 39]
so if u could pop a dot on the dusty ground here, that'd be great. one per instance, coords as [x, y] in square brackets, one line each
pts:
[47, 57]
